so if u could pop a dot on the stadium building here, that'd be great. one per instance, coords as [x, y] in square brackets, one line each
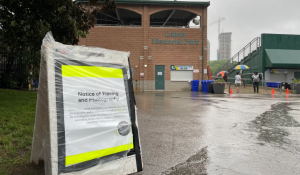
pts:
[167, 40]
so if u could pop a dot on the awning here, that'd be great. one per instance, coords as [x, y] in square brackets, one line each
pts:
[282, 58]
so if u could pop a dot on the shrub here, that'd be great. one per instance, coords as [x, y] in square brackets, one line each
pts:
[220, 81]
[296, 81]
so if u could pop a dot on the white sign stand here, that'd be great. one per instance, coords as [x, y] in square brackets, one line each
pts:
[65, 74]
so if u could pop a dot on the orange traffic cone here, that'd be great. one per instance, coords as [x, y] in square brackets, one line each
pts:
[287, 91]
[273, 91]
[231, 91]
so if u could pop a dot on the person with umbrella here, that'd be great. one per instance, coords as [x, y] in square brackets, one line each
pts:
[225, 79]
[238, 78]
[224, 75]
[238, 82]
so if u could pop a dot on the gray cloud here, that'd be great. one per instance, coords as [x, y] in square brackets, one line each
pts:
[247, 19]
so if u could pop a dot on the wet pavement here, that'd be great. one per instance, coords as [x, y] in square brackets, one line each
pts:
[195, 133]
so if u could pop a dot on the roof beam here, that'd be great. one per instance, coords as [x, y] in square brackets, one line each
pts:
[119, 18]
[108, 16]
[159, 2]
[169, 17]
[107, 20]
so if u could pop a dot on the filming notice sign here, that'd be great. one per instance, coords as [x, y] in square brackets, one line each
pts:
[181, 67]
[86, 120]
[99, 105]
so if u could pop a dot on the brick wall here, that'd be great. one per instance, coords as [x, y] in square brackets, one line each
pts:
[134, 39]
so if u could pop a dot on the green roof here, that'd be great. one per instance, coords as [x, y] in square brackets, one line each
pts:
[206, 3]
[282, 58]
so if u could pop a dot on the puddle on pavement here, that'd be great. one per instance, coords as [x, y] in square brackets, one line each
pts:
[159, 95]
[270, 125]
[196, 164]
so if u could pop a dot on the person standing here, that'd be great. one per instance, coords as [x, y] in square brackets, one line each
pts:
[238, 82]
[225, 79]
[255, 79]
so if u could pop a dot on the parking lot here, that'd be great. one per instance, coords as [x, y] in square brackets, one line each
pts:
[195, 133]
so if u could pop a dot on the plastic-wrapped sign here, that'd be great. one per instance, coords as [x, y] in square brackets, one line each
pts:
[86, 116]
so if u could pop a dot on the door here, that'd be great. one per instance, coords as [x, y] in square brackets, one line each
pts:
[159, 77]
[297, 75]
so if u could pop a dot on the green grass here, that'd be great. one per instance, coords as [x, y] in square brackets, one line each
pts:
[17, 112]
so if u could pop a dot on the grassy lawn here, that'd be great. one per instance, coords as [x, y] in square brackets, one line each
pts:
[17, 111]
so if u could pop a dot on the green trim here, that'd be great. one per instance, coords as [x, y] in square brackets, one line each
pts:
[157, 2]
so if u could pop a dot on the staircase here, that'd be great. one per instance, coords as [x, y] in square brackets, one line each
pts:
[245, 54]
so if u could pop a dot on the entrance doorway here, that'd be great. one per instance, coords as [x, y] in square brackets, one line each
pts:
[159, 77]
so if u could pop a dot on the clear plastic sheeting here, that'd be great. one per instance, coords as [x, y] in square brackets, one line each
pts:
[85, 119]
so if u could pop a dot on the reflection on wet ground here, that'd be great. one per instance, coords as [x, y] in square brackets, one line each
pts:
[195, 133]
[270, 124]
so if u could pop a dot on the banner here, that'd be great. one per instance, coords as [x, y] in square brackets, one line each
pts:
[278, 71]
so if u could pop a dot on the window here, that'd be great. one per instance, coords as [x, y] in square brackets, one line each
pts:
[181, 75]
[175, 18]
[119, 17]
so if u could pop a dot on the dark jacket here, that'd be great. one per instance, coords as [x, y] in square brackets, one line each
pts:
[225, 78]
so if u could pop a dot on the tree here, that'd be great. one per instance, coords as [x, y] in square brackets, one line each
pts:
[23, 24]
[214, 65]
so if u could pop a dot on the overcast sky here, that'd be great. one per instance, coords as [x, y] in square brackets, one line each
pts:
[247, 19]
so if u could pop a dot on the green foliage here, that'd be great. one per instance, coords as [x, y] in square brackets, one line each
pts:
[23, 24]
[214, 65]
[221, 80]
[17, 110]
[296, 81]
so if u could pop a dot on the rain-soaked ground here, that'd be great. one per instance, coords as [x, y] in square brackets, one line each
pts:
[193, 133]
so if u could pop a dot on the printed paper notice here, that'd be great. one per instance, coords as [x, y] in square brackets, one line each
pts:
[95, 106]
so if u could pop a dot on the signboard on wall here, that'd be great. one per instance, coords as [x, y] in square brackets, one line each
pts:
[174, 38]
[278, 71]
[182, 67]
[196, 70]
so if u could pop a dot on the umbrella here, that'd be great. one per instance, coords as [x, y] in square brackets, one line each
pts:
[222, 73]
[241, 67]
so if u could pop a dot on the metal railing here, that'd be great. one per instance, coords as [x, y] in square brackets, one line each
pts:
[117, 25]
[12, 71]
[246, 51]
[244, 81]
